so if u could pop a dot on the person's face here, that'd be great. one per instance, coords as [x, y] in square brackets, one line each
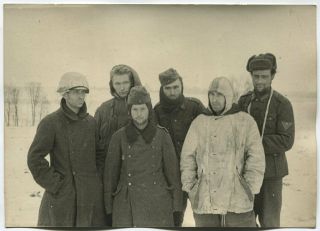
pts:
[173, 90]
[75, 98]
[140, 114]
[261, 79]
[121, 84]
[217, 101]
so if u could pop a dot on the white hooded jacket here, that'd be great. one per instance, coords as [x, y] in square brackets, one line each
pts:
[222, 160]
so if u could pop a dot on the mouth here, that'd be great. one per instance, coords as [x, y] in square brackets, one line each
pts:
[123, 92]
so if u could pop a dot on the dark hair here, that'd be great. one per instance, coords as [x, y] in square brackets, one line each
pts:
[120, 70]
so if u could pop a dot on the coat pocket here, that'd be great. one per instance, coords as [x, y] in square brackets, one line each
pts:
[245, 186]
[117, 191]
[194, 192]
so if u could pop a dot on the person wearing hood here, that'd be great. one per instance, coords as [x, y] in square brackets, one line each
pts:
[113, 114]
[73, 194]
[222, 162]
[142, 186]
[273, 113]
[175, 112]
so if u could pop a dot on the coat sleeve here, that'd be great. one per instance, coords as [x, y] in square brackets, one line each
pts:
[188, 164]
[100, 154]
[283, 139]
[112, 171]
[254, 167]
[100, 148]
[44, 174]
[172, 171]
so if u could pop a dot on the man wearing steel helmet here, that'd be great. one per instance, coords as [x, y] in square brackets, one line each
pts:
[176, 112]
[73, 194]
[274, 116]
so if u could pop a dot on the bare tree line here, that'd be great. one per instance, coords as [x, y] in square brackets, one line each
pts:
[13, 103]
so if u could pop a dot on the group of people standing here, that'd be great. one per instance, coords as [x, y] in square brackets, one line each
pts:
[135, 165]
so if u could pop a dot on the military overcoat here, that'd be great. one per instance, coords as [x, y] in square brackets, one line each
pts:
[73, 186]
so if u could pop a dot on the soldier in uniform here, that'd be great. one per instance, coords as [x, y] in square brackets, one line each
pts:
[141, 180]
[274, 116]
[176, 112]
[113, 114]
[72, 180]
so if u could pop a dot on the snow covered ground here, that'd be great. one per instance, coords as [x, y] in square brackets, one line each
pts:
[23, 195]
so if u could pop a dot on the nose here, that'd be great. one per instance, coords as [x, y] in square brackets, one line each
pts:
[138, 113]
[214, 99]
[259, 80]
[82, 96]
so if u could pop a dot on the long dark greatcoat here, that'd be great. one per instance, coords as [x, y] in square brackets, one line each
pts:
[142, 182]
[73, 187]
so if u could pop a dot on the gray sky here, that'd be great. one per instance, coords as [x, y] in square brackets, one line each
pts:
[201, 42]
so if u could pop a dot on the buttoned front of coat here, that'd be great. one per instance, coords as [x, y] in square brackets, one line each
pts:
[142, 186]
[73, 187]
[222, 163]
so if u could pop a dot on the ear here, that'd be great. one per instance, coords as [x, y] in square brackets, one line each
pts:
[65, 95]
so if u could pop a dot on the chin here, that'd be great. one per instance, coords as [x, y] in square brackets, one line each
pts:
[140, 123]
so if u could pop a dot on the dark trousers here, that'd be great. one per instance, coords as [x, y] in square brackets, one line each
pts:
[178, 216]
[229, 220]
[267, 204]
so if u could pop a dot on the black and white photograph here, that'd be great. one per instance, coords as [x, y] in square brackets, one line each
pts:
[160, 116]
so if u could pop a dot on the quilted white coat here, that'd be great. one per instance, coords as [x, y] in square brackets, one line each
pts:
[222, 163]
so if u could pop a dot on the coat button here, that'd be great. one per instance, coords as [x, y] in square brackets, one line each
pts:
[73, 173]
[129, 146]
[175, 120]
[129, 174]
[129, 156]
[129, 184]
[275, 154]
[154, 182]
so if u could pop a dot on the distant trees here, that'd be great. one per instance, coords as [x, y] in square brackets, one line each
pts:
[31, 95]
[11, 101]
[34, 89]
[15, 101]
[44, 103]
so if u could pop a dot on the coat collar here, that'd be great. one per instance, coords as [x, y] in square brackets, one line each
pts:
[233, 110]
[147, 133]
[70, 114]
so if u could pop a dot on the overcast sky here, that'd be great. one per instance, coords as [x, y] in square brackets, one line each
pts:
[201, 42]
